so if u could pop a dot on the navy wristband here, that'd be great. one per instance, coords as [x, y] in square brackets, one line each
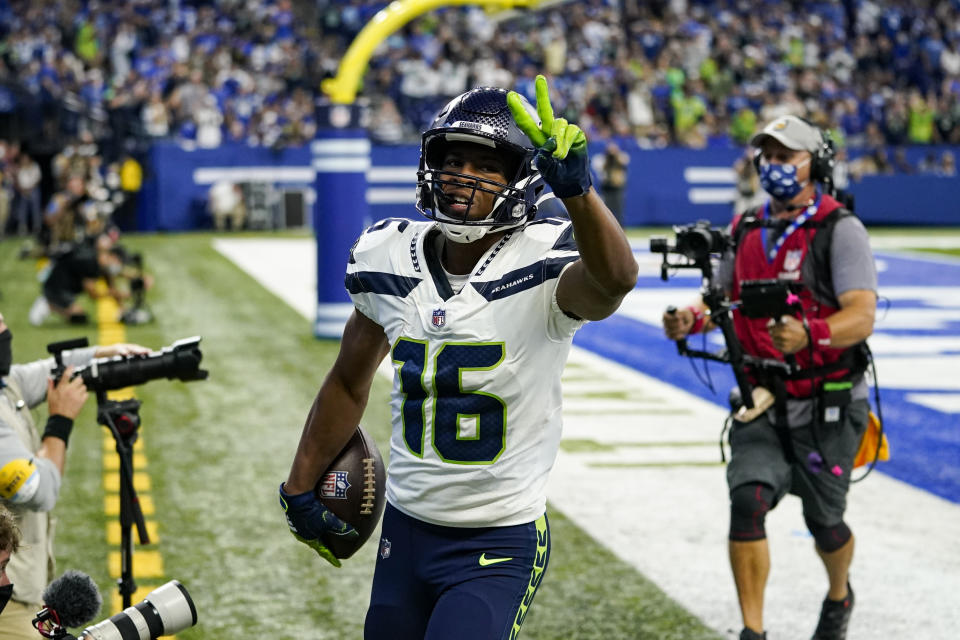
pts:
[58, 427]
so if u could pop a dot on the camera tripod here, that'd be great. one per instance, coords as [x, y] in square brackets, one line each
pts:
[122, 418]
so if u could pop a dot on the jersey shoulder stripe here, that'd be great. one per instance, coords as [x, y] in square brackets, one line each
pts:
[566, 242]
[522, 279]
[383, 263]
[380, 283]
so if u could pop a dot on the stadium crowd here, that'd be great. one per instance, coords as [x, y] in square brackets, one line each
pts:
[694, 73]
[683, 72]
[701, 73]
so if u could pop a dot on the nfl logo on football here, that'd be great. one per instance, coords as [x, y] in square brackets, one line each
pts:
[335, 485]
[439, 317]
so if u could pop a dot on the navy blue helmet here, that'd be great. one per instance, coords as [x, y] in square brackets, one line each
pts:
[480, 116]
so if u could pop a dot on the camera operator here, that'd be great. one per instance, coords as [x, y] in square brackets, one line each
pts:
[76, 272]
[32, 465]
[806, 441]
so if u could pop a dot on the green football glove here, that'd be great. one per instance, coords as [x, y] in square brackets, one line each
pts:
[561, 157]
[310, 521]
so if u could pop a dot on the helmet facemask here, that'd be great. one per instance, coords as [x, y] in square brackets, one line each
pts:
[509, 208]
[478, 117]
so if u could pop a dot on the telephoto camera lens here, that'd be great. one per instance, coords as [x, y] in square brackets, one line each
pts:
[165, 611]
[181, 360]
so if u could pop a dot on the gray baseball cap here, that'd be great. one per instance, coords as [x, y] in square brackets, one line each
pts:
[791, 132]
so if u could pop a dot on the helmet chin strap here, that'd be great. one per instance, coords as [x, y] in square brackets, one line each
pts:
[467, 233]
[463, 233]
[460, 233]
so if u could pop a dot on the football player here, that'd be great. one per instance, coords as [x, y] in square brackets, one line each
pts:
[477, 308]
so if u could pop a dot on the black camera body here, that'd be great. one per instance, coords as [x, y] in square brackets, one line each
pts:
[180, 361]
[696, 241]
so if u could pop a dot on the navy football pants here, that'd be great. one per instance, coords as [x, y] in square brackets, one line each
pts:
[438, 583]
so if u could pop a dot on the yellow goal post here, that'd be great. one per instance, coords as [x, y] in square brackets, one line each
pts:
[343, 88]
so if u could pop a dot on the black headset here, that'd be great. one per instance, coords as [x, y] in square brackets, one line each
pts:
[822, 160]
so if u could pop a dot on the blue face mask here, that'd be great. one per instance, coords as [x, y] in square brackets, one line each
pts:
[780, 180]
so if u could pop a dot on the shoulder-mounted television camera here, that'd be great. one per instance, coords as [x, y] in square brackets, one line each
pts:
[180, 361]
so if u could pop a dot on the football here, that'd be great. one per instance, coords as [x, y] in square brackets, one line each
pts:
[354, 488]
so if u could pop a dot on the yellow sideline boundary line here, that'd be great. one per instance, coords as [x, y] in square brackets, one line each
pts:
[147, 560]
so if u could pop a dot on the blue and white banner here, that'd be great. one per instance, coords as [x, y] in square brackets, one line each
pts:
[665, 186]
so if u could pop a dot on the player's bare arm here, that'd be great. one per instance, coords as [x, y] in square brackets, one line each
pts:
[339, 404]
[593, 287]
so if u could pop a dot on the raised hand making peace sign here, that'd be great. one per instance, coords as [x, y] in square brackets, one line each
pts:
[562, 156]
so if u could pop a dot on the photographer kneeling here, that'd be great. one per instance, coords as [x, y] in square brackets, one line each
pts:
[78, 271]
[31, 466]
[806, 441]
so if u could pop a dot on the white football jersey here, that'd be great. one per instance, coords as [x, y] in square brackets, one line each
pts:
[476, 392]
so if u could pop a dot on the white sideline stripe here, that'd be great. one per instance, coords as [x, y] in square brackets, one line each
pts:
[709, 175]
[341, 164]
[949, 240]
[328, 329]
[670, 521]
[334, 311]
[712, 195]
[392, 174]
[388, 195]
[209, 175]
[886, 344]
[289, 269]
[945, 402]
[340, 146]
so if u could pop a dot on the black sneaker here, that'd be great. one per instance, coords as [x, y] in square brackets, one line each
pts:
[834, 618]
[750, 634]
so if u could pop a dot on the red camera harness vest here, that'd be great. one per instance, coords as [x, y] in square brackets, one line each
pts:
[807, 237]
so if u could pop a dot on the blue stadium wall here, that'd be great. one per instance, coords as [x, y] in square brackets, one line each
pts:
[666, 186]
